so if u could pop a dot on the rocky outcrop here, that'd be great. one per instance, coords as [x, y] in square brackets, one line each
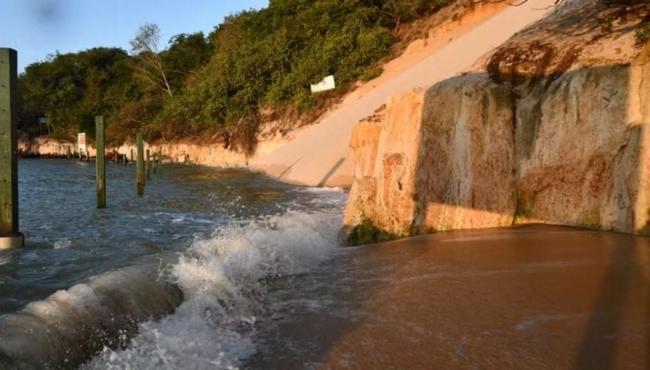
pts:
[44, 147]
[214, 155]
[548, 128]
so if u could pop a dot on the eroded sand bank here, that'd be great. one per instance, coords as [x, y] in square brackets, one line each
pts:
[319, 154]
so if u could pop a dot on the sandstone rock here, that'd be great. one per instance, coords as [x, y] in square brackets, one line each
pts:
[552, 128]
[580, 143]
[465, 176]
[386, 159]
[434, 162]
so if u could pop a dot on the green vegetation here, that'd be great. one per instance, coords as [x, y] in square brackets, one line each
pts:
[642, 34]
[367, 233]
[216, 85]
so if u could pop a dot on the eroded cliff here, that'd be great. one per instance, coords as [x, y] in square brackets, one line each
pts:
[551, 127]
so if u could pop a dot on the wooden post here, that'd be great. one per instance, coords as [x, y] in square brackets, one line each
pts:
[155, 163]
[140, 169]
[100, 162]
[132, 158]
[10, 236]
[148, 165]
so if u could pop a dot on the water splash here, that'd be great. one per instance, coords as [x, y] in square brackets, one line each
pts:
[221, 279]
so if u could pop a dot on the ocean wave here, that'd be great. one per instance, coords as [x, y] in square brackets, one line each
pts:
[220, 278]
[198, 309]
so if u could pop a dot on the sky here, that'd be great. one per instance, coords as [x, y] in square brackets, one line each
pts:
[38, 28]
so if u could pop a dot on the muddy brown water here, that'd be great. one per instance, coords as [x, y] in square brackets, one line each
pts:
[534, 297]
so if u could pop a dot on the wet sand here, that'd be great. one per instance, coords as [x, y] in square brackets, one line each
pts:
[533, 297]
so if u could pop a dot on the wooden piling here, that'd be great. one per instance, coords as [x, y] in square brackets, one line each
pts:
[140, 169]
[155, 163]
[100, 160]
[10, 236]
[148, 165]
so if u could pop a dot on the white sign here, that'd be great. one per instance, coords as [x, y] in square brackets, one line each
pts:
[326, 84]
[81, 142]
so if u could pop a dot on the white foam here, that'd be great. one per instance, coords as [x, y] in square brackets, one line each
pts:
[322, 190]
[220, 279]
[62, 244]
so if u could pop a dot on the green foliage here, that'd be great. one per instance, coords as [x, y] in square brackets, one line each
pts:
[254, 60]
[186, 53]
[642, 34]
[368, 233]
[69, 90]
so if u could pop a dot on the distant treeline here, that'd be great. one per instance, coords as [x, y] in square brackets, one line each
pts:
[257, 60]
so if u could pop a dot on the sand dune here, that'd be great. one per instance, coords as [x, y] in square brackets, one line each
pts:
[319, 155]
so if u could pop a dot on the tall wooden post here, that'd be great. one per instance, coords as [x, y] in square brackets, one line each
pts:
[10, 236]
[100, 160]
[148, 165]
[140, 169]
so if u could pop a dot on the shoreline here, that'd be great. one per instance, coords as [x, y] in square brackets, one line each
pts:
[505, 297]
[526, 297]
[292, 158]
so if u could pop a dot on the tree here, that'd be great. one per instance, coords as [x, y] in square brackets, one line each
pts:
[70, 89]
[185, 54]
[399, 10]
[148, 63]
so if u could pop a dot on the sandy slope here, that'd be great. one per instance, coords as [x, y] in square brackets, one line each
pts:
[319, 154]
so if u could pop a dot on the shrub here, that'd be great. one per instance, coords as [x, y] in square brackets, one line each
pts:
[368, 233]
[642, 34]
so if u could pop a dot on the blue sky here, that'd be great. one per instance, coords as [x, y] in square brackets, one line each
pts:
[37, 28]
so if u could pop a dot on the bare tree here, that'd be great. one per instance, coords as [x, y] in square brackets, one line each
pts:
[148, 62]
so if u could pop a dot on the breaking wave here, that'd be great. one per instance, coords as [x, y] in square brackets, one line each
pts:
[221, 279]
[197, 310]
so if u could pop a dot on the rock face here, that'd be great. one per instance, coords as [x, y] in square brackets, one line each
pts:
[465, 176]
[552, 132]
[207, 154]
[581, 146]
[45, 147]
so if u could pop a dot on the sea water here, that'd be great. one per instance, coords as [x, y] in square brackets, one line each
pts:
[175, 279]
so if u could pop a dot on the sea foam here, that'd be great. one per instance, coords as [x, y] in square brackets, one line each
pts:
[221, 280]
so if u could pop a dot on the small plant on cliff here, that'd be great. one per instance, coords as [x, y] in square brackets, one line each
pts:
[367, 233]
[643, 33]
